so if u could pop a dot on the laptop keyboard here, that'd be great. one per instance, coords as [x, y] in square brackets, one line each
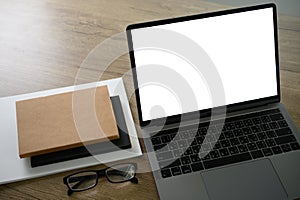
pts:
[242, 138]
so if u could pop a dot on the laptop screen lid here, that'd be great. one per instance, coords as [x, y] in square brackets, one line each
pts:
[235, 62]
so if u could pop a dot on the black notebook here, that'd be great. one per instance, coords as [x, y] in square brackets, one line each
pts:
[93, 149]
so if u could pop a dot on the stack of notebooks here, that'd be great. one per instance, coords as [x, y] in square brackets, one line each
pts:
[70, 125]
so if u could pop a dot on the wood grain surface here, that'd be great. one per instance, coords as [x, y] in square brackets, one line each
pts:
[44, 43]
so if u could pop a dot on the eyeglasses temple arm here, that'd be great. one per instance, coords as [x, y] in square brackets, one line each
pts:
[134, 180]
[70, 192]
[74, 187]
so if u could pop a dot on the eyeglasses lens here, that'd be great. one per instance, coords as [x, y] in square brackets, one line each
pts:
[120, 173]
[82, 181]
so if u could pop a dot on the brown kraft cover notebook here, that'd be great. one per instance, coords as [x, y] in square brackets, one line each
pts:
[62, 121]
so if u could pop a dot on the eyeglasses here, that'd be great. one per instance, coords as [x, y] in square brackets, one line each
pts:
[88, 179]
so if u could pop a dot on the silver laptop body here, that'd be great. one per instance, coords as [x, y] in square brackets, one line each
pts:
[169, 103]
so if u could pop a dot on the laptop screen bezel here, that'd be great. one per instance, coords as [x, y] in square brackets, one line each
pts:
[205, 112]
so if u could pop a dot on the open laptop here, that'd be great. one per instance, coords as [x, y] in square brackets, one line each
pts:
[208, 100]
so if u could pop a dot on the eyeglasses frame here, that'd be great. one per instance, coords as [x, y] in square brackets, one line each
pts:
[99, 173]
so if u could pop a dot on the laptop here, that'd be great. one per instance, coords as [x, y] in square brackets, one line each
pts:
[207, 90]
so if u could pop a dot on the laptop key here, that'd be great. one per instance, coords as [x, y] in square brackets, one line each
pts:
[285, 147]
[247, 130]
[182, 143]
[267, 152]
[265, 127]
[285, 139]
[257, 154]
[173, 145]
[188, 151]
[225, 143]
[273, 125]
[210, 138]
[214, 154]
[234, 141]
[196, 149]
[169, 163]
[228, 134]
[295, 145]
[195, 158]
[184, 135]
[185, 160]
[197, 166]
[193, 133]
[186, 169]
[165, 173]
[227, 160]
[283, 131]
[155, 140]
[224, 152]
[252, 146]
[282, 123]
[276, 117]
[219, 127]
[265, 119]
[176, 171]
[217, 146]
[242, 148]
[200, 139]
[256, 120]
[252, 138]
[189, 141]
[202, 131]
[229, 126]
[262, 136]
[238, 132]
[177, 153]
[205, 156]
[233, 150]
[164, 155]
[160, 147]
[271, 134]
[174, 137]
[276, 150]
[239, 124]
[270, 142]
[194, 142]
[255, 129]
[206, 147]
[261, 144]
[248, 122]
[212, 130]
[243, 139]
[165, 139]
[222, 137]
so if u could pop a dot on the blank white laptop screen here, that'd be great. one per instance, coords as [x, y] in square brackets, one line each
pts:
[241, 47]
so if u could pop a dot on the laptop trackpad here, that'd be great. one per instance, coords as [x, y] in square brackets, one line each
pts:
[252, 180]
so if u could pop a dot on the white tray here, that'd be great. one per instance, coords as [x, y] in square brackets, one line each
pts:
[14, 168]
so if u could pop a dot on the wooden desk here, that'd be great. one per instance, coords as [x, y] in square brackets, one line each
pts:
[42, 44]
